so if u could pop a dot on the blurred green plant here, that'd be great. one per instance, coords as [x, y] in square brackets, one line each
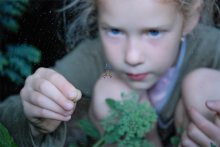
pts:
[15, 60]
[5, 138]
[175, 140]
[127, 123]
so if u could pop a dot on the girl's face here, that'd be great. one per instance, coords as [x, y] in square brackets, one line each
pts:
[140, 38]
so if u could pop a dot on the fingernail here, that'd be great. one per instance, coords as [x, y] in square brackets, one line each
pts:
[210, 103]
[68, 118]
[72, 94]
[68, 105]
[67, 113]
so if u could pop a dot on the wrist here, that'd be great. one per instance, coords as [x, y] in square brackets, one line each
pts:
[34, 131]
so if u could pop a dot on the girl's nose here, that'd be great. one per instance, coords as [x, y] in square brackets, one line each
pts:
[133, 53]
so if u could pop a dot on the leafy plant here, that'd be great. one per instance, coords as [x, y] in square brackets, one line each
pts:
[175, 140]
[9, 10]
[5, 139]
[15, 60]
[127, 123]
[212, 144]
[89, 128]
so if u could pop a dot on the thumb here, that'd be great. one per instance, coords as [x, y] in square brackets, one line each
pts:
[213, 105]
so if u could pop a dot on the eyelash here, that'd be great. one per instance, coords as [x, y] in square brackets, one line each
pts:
[157, 35]
[113, 32]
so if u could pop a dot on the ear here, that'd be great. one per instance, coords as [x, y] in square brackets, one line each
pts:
[193, 17]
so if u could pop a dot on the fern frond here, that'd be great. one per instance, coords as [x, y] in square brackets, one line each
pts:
[28, 52]
[20, 65]
[3, 62]
[9, 11]
[17, 62]
[13, 76]
[9, 23]
[5, 139]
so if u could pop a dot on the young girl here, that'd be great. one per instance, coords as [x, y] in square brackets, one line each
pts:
[145, 42]
[151, 49]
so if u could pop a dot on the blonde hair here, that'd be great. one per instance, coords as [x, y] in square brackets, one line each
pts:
[80, 18]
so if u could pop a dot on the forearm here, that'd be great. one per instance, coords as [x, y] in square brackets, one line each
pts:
[13, 118]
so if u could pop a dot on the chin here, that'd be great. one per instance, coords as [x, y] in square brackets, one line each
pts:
[139, 85]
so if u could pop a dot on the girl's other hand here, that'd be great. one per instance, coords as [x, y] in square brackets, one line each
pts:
[202, 132]
[48, 99]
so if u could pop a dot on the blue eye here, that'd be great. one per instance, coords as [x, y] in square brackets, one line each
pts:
[154, 33]
[114, 32]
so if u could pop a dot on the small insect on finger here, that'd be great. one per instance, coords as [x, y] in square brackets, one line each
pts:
[74, 101]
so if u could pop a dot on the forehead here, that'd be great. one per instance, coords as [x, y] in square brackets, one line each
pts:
[151, 12]
[101, 2]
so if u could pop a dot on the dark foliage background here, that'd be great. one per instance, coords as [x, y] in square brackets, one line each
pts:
[39, 26]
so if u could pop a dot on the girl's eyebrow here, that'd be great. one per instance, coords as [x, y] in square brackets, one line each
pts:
[150, 27]
[157, 27]
[103, 24]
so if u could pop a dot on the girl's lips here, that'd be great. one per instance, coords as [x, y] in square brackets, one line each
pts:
[137, 77]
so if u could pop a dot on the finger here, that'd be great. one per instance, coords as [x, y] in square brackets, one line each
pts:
[60, 82]
[186, 141]
[44, 102]
[213, 105]
[79, 95]
[217, 119]
[197, 136]
[38, 112]
[205, 125]
[49, 90]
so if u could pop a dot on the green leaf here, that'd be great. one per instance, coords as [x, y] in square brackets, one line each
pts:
[128, 121]
[73, 145]
[3, 62]
[89, 128]
[20, 65]
[175, 140]
[212, 145]
[28, 52]
[111, 103]
[14, 76]
[25, 1]
[5, 139]
[17, 62]
[9, 23]
[112, 137]
[10, 9]
[20, 6]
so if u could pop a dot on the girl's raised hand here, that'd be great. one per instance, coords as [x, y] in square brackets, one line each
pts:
[48, 99]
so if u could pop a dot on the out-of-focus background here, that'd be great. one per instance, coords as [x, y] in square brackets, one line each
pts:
[28, 39]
